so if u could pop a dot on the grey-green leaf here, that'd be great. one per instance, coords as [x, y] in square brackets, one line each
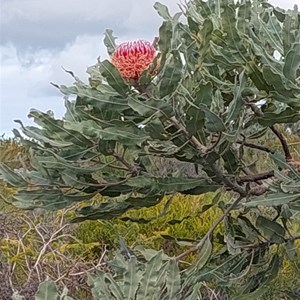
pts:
[47, 290]
[109, 41]
[113, 77]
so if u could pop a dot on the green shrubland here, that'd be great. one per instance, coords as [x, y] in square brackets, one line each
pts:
[172, 174]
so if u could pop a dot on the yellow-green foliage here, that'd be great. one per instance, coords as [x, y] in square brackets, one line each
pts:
[150, 234]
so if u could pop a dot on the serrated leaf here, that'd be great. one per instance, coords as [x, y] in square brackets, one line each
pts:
[162, 11]
[113, 209]
[287, 116]
[11, 177]
[271, 230]
[151, 108]
[281, 163]
[148, 282]
[164, 42]
[55, 129]
[173, 281]
[113, 77]
[170, 75]
[258, 134]
[100, 289]
[131, 280]
[272, 199]
[237, 103]
[213, 122]
[292, 62]
[46, 198]
[109, 41]
[202, 257]
[243, 17]
[114, 287]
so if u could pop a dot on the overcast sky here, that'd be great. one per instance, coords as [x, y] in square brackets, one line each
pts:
[38, 37]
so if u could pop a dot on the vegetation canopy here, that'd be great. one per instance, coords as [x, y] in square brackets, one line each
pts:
[222, 82]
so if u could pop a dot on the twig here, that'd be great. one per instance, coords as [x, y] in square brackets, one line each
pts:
[188, 136]
[99, 264]
[258, 147]
[230, 184]
[215, 144]
[284, 143]
[257, 111]
[133, 169]
[203, 149]
[255, 177]
[211, 230]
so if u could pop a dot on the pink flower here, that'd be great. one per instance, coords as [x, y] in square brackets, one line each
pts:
[132, 58]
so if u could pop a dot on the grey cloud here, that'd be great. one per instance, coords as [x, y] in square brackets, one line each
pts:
[40, 36]
[52, 23]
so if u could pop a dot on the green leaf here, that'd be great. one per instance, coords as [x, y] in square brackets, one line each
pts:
[100, 288]
[203, 94]
[125, 135]
[110, 41]
[287, 116]
[271, 230]
[237, 103]
[131, 280]
[202, 257]
[290, 33]
[47, 291]
[151, 108]
[233, 40]
[273, 199]
[113, 77]
[244, 17]
[11, 177]
[164, 41]
[292, 62]
[46, 198]
[56, 131]
[160, 185]
[163, 11]
[112, 209]
[281, 163]
[213, 122]
[170, 75]
[173, 281]
[148, 289]
[114, 287]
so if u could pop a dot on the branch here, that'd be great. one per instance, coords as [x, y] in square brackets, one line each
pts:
[203, 149]
[211, 230]
[257, 111]
[132, 169]
[284, 144]
[232, 185]
[254, 146]
[255, 177]
[188, 136]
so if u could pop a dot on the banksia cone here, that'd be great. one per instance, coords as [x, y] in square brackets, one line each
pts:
[132, 58]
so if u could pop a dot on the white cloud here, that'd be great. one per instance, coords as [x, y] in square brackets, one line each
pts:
[39, 37]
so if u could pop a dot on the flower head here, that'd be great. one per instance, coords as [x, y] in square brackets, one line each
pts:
[132, 58]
